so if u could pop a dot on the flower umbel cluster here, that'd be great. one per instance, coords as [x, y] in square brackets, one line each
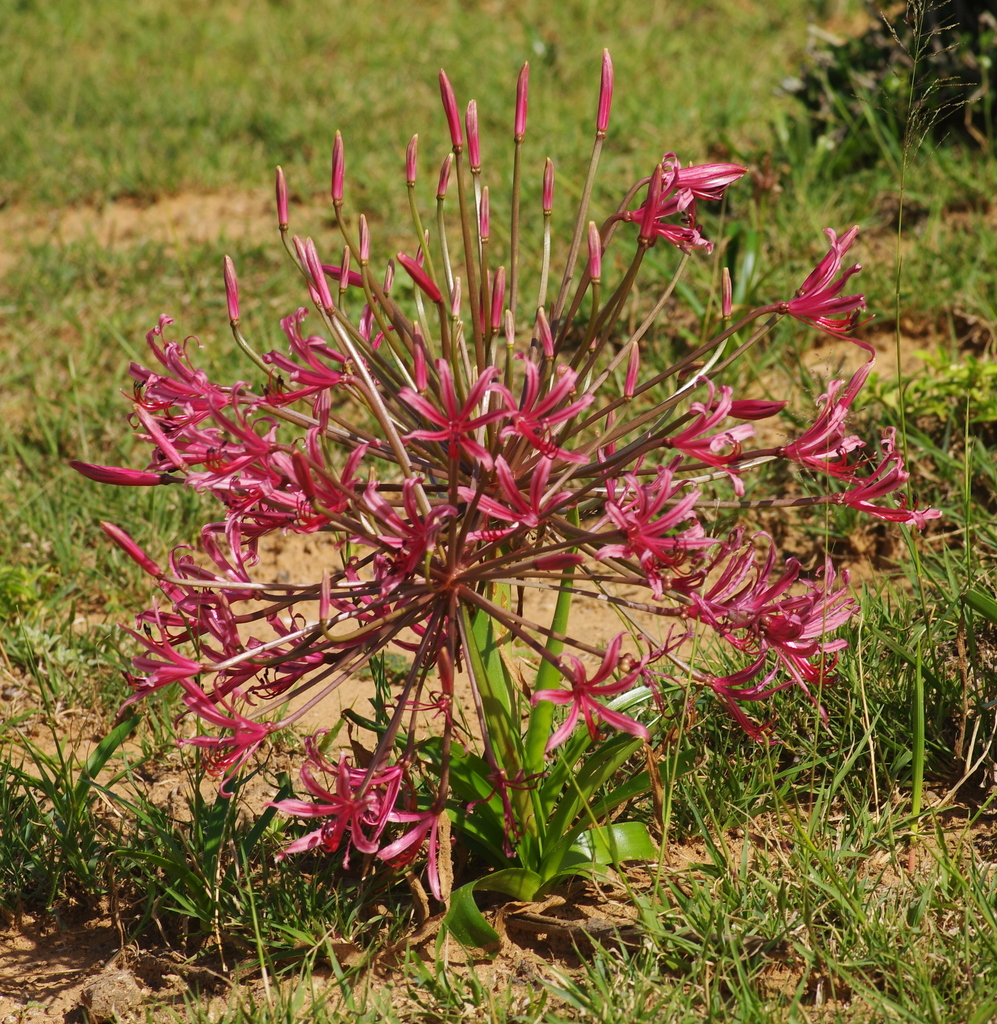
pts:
[462, 444]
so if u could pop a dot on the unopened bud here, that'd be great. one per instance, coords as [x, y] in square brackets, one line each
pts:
[647, 233]
[548, 187]
[344, 270]
[605, 94]
[317, 274]
[441, 188]
[338, 169]
[595, 252]
[522, 92]
[420, 374]
[231, 290]
[420, 277]
[411, 155]
[130, 548]
[281, 189]
[473, 143]
[484, 215]
[450, 109]
[498, 298]
[455, 298]
[364, 240]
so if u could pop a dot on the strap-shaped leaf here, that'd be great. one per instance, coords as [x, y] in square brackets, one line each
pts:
[982, 603]
[102, 754]
[585, 848]
[464, 920]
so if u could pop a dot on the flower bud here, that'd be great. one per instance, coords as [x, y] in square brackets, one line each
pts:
[450, 109]
[325, 598]
[548, 187]
[650, 211]
[231, 290]
[473, 143]
[605, 94]
[441, 189]
[411, 155]
[344, 270]
[595, 252]
[131, 549]
[726, 294]
[338, 170]
[281, 189]
[420, 277]
[120, 476]
[364, 240]
[498, 298]
[317, 273]
[522, 91]
[420, 374]
[484, 215]
[455, 298]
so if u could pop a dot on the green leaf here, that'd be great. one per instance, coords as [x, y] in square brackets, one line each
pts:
[519, 883]
[496, 689]
[581, 850]
[102, 754]
[464, 920]
[982, 603]
[466, 923]
[613, 844]
[582, 786]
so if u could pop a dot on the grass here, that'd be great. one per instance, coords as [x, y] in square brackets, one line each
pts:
[792, 899]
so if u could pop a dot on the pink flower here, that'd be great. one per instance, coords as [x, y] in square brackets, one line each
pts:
[673, 190]
[406, 537]
[709, 449]
[406, 848]
[824, 445]
[647, 515]
[889, 476]
[731, 689]
[522, 511]
[536, 418]
[457, 422]
[225, 753]
[583, 693]
[360, 804]
[819, 298]
[756, 614]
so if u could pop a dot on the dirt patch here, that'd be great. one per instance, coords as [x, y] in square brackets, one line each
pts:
[186, 218]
